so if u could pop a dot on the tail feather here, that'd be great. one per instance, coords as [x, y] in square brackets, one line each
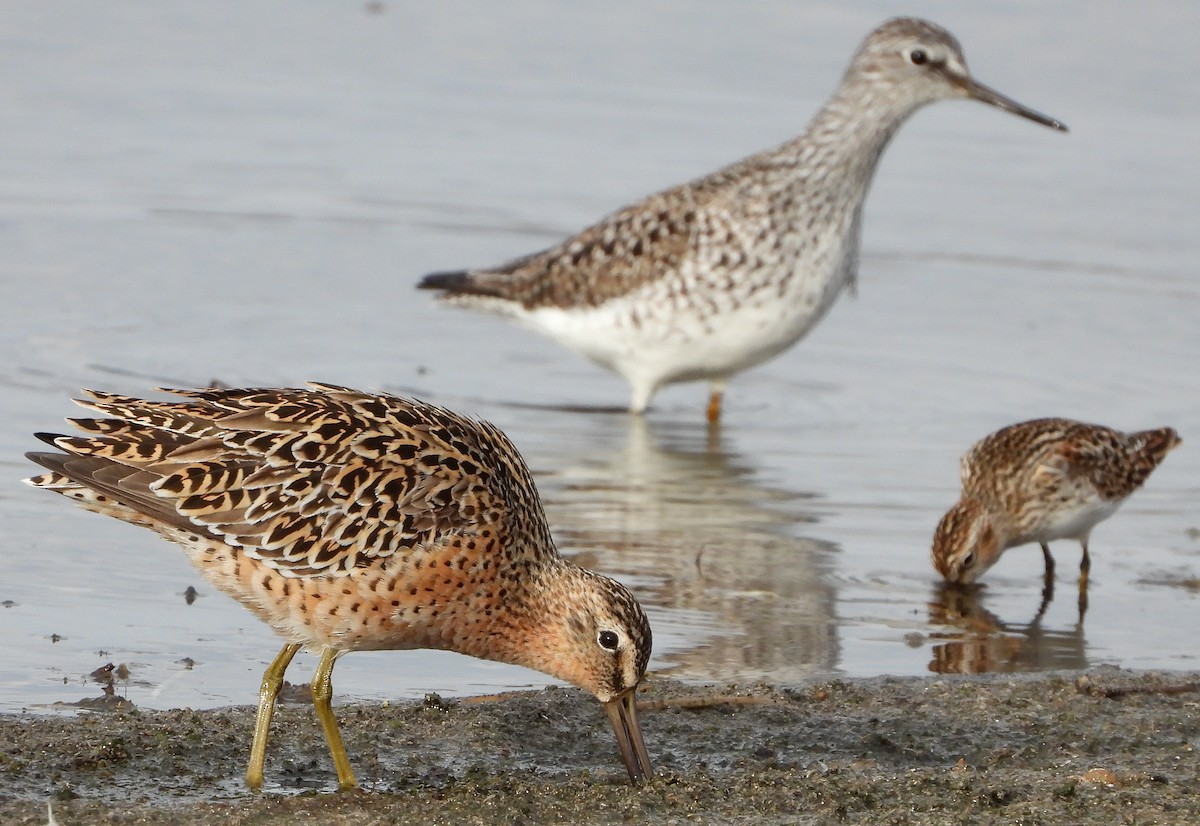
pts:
[457, 282]
[86, 497]
[1156, 444]
[1150, 447]
[108, 487]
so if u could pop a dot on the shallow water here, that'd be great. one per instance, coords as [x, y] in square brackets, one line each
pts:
[249, 192]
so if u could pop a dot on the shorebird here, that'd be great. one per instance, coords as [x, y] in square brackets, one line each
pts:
[359, 521]
[1038, 481]
[712, 277]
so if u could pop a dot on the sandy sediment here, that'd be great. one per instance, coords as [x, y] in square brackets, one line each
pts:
[1104, 747]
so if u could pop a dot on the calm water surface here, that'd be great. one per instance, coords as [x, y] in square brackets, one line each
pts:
[248, 191]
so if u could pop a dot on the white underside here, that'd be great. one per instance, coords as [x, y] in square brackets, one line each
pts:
[651, 340]
[1074, 523]
[687, 350]
[701, 321]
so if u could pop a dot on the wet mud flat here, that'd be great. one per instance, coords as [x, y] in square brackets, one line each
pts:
[1108, 746]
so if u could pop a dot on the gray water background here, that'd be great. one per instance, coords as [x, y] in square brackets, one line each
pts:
[249, 191]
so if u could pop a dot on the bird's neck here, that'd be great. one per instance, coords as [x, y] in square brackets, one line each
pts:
[843, 143]
[527, 625]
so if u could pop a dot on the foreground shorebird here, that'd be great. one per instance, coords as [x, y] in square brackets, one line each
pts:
[356, 521]
[717, 275]
[1038, 481]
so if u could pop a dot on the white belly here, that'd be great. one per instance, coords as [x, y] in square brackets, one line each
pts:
[654, 337]
[1074, 522]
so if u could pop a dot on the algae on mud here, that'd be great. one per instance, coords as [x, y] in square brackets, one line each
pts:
[1106, 747]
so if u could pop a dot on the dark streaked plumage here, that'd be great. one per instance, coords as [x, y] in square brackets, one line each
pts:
[709, 278]
[1038, 481]
[357, 521]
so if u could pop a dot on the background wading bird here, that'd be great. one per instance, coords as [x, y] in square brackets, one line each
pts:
[707, 279]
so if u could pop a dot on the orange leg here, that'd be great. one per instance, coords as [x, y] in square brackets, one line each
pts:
[714, 401]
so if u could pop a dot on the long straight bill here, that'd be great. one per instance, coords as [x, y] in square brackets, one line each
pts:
[622, 713]
[986, 94]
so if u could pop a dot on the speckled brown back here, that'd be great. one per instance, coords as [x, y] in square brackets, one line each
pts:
[1032, 453]
[320, 480]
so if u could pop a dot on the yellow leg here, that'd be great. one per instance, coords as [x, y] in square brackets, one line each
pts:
[322, 691]
[271, 682]
[1085, 565]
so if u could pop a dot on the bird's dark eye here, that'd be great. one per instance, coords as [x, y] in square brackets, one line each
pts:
[608, 640]
[967, 561]
[918, 57]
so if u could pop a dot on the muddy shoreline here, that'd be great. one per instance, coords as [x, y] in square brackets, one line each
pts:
[1107, 746]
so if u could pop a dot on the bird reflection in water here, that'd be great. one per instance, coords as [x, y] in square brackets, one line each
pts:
[973, 640]
[713, 549]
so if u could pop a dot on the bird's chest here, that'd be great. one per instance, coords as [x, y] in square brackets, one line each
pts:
[793, 274]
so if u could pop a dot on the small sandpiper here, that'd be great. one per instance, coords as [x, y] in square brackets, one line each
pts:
[720, 274]
[1038, 481]
[356, 521]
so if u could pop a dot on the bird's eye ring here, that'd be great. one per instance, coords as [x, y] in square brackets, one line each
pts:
[608, 640]
[968, 561]
[918, 57]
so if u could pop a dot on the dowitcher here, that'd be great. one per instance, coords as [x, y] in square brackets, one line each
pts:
[720, 274]
[1038, 481]
[356, 521]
